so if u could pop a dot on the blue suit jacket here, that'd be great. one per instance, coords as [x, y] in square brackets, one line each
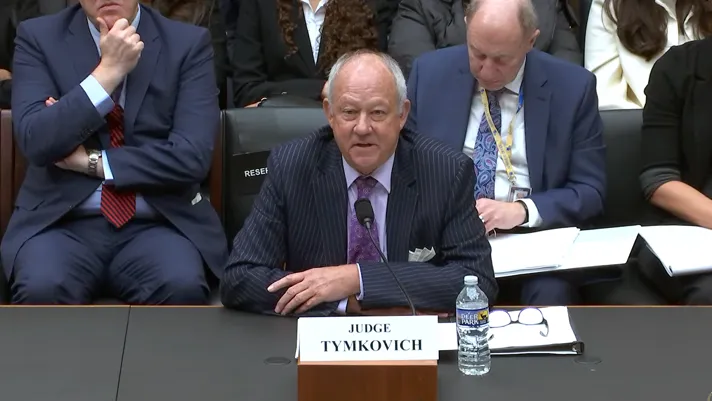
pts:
[564, 132]
[171, 118]
[299, 221]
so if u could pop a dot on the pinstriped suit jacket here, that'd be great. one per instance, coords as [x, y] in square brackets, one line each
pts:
[300, 218]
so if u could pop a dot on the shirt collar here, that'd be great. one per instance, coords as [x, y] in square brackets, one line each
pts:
[318, 7]
[516, 84]
[382, 173]
[97, 35]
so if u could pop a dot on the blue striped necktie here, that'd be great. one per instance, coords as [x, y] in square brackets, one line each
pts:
[485, 153]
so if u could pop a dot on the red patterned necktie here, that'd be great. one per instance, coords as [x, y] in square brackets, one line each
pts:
[117, 207]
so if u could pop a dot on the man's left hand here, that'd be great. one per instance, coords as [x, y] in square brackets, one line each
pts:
[501, 215]
[312, 287]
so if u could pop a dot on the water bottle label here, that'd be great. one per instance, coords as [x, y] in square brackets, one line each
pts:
[473, 317]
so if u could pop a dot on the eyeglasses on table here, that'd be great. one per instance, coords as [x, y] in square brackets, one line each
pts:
[526, 317]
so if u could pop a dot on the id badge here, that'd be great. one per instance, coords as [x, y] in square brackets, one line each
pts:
[517, 193]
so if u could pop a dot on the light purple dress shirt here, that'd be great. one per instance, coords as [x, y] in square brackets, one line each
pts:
[379, 201]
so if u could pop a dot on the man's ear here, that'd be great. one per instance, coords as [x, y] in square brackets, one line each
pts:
[533, 38]
[327, 109]
[404, 113]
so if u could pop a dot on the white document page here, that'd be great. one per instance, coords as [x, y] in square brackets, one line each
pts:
[591, 248]
[521, 336]
[602, 247]
[514, 253]
[681, 249]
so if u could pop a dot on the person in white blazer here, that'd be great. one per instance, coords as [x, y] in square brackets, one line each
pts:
[624, 38]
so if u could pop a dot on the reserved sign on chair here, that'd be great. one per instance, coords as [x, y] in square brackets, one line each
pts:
[248, 171]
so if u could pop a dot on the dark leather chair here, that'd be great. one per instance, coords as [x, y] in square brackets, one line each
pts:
[12, 170]
[10, 180]
[624, 203]
[584, 6]
[249, 135]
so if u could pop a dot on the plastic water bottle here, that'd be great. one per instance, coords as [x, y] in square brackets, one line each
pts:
[473, 355]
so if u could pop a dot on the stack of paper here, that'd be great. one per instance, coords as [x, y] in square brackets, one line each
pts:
[682, 250]
[602, 247]
[561, 249]
[518, 339]
[515, 253]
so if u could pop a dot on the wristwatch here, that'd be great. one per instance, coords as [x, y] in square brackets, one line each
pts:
[526, 211]
[94, 156]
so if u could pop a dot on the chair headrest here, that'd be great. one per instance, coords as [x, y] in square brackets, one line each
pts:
[622, 122]
[624, 203]
[261, 129]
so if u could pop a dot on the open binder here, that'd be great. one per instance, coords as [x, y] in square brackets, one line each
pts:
[573, 348]
[682, 250]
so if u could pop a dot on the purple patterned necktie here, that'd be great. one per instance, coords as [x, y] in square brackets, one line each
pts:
[360, 247]
[485, 153]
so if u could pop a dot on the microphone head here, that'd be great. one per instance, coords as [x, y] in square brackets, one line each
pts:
[364, 211]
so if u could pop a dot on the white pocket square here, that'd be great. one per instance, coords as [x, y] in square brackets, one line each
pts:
[197, 199]
[421, 255]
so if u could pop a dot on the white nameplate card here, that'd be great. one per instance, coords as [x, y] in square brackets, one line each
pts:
[367, 338]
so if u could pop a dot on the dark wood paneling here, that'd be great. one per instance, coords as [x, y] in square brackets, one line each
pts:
[8, 176]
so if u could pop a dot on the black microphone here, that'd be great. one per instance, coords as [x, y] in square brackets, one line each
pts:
[364, 214]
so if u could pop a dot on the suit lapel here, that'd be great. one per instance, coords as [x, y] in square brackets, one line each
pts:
[537, 101]
[139, 79]
[81, 46]
[401, 202]
[85, 57]
[330, 204]
[302, 40]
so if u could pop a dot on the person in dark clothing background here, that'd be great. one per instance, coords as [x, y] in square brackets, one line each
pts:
[676, 153]
[286, 47]
[11, 13]
[230, 9]
[205, 13]
[420, 26]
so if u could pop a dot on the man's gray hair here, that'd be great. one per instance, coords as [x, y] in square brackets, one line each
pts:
[527, 14]
[388, 61]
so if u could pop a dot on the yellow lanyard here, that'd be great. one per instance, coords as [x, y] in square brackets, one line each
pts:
[505, 151]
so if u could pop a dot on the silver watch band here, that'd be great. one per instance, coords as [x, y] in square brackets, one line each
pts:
[94, 156]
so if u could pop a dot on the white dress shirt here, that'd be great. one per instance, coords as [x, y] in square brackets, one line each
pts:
[314, 19]
[621, 76]
[508, 102]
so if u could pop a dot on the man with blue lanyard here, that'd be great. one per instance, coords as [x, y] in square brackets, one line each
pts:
[530, 122]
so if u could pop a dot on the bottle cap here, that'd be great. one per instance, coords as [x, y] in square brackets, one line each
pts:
[470, 280]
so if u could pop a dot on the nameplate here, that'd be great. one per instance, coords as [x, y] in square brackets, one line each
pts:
[366, 338]
[248, 171]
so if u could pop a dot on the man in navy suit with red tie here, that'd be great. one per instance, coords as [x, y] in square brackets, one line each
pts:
[117, 120]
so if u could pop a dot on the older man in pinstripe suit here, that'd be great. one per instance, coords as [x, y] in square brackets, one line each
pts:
[302, 250]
